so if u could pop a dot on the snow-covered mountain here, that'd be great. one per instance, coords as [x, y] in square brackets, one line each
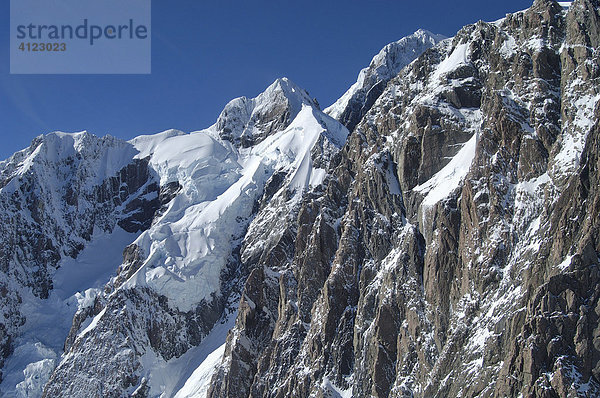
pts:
[445, 245]
[77, 201]
[356, 102]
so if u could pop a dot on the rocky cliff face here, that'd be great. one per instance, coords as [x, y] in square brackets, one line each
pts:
[453, 251]
[446, 246]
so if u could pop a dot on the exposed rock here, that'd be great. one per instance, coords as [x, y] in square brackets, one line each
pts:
[449, 246]
[453, 279]
[371, 82]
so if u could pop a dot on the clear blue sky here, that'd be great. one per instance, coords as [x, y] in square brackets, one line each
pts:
[204, 53]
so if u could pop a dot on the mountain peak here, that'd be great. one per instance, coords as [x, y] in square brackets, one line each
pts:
[284, 84]
[283, 89]
[371, 81]
[424, 33]
[394, 56]
[245, 121]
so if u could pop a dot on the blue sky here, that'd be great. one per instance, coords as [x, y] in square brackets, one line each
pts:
[204, 53]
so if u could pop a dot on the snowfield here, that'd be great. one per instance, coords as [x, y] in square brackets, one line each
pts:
[187, 247]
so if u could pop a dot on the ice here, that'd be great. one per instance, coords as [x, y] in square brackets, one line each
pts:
[204, 166]
[36, 376]
[188, 247]
[28, 362]
[449, 178]
[385, 65]
[185, 264]
[457, 58]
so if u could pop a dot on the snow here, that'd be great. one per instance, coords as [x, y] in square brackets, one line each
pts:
[528, 204]
[199, 162]
[572, 141]
[477, 341]
[449, 178]
[458, 57]
[294, 145]
[240, 115]
[386, 65]
[535, 44]
[188, 376]
[317, 177]
[76, 282]
[198, 383]
[94, 266]
[337, 108]
[105, 156]
[36, 375]
[281, 88]
[92, 324]
[572, 375]
[188, 247]
[148, 144]
[532, 186]
[565, 264]
[509, 47]
[392, 182]
[26, 371]
[335, 391]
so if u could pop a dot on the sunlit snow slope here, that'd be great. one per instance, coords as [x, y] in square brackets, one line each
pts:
[186, 202]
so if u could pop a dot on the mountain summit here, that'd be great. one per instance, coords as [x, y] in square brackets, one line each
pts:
[246, 122]
[359, 98]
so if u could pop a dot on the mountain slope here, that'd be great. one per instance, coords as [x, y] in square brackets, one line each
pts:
[178, 279]
[444, 256]
[448, 246]
[57, 196]
[356, 102]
